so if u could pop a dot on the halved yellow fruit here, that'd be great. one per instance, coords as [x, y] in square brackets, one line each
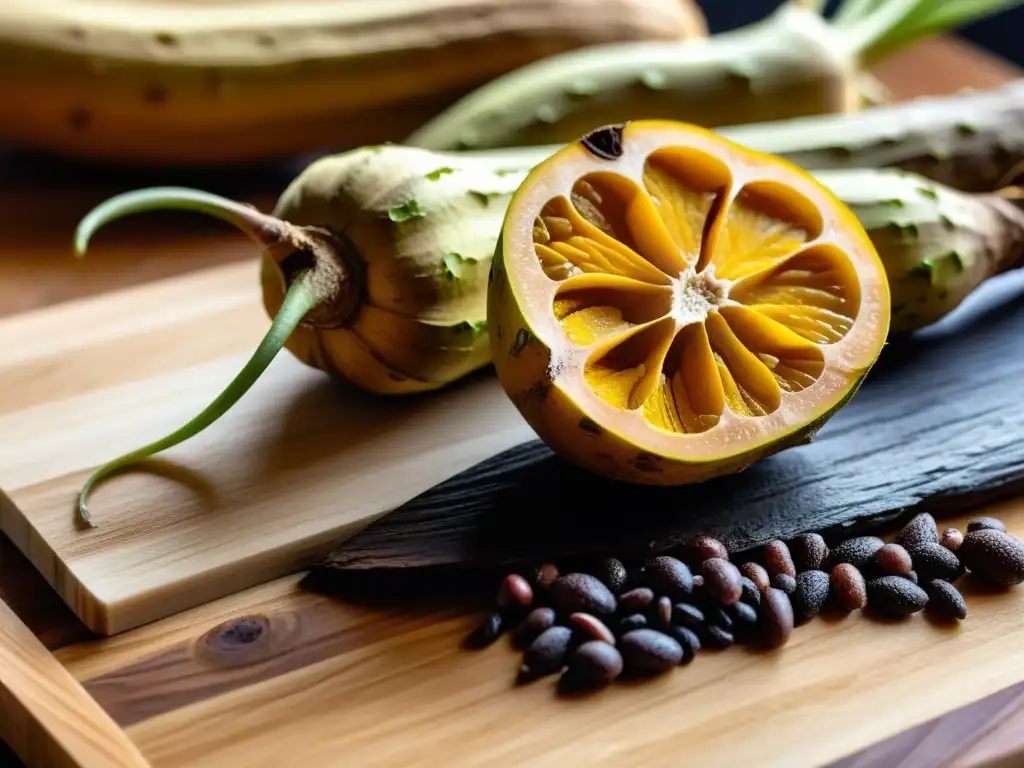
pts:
[666, 306]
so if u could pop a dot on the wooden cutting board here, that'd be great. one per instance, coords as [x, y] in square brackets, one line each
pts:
[299, 464]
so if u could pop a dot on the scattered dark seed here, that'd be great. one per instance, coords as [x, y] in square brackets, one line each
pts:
[808, 551]
[719, 617]
[688, 640]
[612, 574]
[744, 619]
[785, 582]
[669, 576]
[664, 611]
[913, 577]
[631, 622]
[536, 621]
[777, 558]
[594, 663]
[921, 529]
[687, 615]
[636, 599]
[515, 593]
[544, 577]
[757, 574]
[945, 600]
[698, 581]
[995, 556]
[893, 560]
[985, 524]
[934, 561]
[708, 547]
[722, 580]
[717, 637]
[582, 593]
[487, 631]
[649, 652]
[751, 594]
[775, 617]
[849, 587]
[858, 551]
[896, 596]
[546, 654]
[809, 596]
[592, 627]
[951, 539]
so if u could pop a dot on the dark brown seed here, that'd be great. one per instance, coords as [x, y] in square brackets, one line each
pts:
[515, 593]
[686, 615]
[951, 539]
[912, 576]
[757, 574]
[546, 654]
[717, 637]
[775, 617]
[809, 551]
[536, 621]
[945, 600]
[612, 574]
[849, 587]
[777, 558]
[985, 524]
[486, 632]
[934, 561]
[751, 594]
[664, 611]
[722, 580]
[718, 616]
[669, 576]
[582, 593]
[633, 621]
[688, 641]
[698, 581]
[809, 596]
[995, 556]
[893, 560]
[636, 599]
[592, 627]
[594, 663]
[858, 551]
[649, 652]
[921, 529]
[785, 582]
[744, 619]
[896, 596]
[544, 577]
[708, 547]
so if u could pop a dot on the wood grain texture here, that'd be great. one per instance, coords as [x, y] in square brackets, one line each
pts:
[301, 462]
[46, 716]
[280, 675]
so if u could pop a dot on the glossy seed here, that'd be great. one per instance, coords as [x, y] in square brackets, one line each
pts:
[858, 551]
[515, 593]
[785, 582]
[663, 611]
[633, 621]
[744, 619]
[913, 577]
[777, 558]
[994, 556]
[686, 615]
[546, 654]
[985, 524]
[809, 597]
[896, 596]
[582, 593]
[808, 551]
[688, 640]
[921, 529]
[669, 576]
[649, 652]
[719, 616]
[698, 581]
[545, 575]
[592, 628]
[594, 663]
[636, 600]
[722, 580]
[945, 600]
[708, 547]
[775, 617]
[951, 539]
[487, 631]
[934, 561]
[757, 574]
[893, 560]
[612, 574]
[751, 594]
[716, 637]
[536, 621]
[848, 587]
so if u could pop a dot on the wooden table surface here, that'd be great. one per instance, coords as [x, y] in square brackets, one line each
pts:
[41, 200]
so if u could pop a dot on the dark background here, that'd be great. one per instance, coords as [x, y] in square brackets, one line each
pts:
[1002, 34]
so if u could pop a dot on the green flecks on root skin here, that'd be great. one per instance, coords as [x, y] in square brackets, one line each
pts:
[959, 259]
[437, 174]
[928, 193]
[453, 265]
[508, 171]
[473, 326]
[907, 229]
[522, 339]
[840, 151]
[925, 268]
[407, 211]
[483, 197]
[590, 426]
[893, 202]
[653, 80]
[946, 221]
[966, 129]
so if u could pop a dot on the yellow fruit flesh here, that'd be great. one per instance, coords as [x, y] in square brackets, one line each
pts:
[704, 300]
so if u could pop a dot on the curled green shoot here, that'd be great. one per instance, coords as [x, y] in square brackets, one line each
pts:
[303, 295]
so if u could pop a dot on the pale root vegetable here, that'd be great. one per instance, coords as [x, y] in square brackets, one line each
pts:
[376, 261]
[175, 81]
[789, 64]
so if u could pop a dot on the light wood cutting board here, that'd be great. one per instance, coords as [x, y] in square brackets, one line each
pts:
[300, 463]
